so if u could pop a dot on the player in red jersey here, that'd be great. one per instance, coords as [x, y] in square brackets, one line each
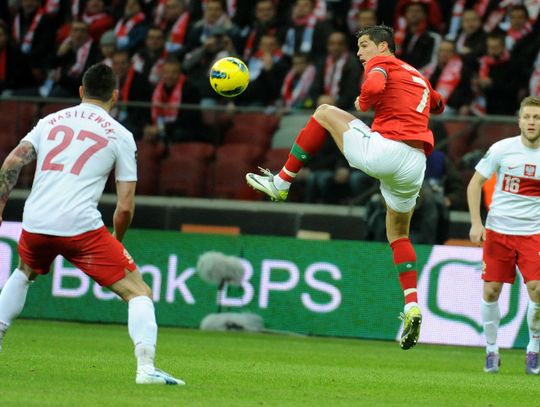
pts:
[512, 233]
[393, 151]
[75, 149]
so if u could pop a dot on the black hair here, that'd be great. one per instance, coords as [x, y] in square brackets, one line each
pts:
[99, 82]
[378, 34]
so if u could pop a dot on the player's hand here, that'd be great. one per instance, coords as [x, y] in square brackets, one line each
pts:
[477, 234]
[357, 103]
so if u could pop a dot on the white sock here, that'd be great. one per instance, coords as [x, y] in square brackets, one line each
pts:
[280, 183]
[12, 298]
[409, 305]
[491, 316]
[533, 320]
[142, 329]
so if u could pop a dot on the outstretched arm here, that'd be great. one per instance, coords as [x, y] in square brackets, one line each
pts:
[21, 155]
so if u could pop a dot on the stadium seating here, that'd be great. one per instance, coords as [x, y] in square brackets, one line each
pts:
[16, 120]
[148, 156]
[49, 108]
[252, 128]
[491, 132]
[227, 176]
[275, 158]
[184, 172]
[460, 137]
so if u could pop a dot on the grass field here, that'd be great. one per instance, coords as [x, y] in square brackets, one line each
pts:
[68, 364]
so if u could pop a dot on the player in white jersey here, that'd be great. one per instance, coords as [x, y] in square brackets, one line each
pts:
[75, 150]
[512, 233]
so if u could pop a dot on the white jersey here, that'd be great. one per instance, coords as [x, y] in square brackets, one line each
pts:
[515, 208]
[76, 150]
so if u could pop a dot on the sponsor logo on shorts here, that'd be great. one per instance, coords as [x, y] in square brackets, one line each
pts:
[128, 256]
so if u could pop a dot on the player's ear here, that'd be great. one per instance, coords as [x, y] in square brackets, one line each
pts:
[115, 95]
[81, 91]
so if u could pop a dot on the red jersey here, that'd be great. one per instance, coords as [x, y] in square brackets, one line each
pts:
[402, 99]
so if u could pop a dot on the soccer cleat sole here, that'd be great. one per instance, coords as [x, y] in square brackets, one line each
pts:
[410, 339]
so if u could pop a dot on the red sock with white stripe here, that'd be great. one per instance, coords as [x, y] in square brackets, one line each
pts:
[405, 263]
[309, 142]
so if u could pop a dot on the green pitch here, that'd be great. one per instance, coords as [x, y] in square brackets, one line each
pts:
[67, 364]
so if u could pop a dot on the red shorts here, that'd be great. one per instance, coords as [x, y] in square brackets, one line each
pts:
[502, 253]
[97, 253]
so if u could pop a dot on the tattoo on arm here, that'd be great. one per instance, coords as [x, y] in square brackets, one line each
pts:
[23, 154]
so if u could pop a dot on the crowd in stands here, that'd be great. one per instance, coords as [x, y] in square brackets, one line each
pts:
[483, 56]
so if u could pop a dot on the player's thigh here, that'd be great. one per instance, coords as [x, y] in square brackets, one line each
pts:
[335, 121]
[499, 258]
[37, 252]
[401, 176]
[528, 261]
[131, 286]
[99, 255]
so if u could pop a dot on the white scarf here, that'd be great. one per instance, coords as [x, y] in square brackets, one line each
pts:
[307, 38]
[292, 94]
[333, 72]
[26, 43]
[81, 58]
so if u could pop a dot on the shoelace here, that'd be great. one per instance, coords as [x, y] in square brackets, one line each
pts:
[402, 316]
[266, 172]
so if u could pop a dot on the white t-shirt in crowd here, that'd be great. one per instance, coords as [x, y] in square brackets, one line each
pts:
[515, 208]
[76, 150]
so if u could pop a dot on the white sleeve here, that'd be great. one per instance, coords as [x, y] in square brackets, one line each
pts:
[490, 162]
[34, 135]
[126, 162]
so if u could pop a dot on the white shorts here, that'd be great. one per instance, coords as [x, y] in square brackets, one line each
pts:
[398, 166]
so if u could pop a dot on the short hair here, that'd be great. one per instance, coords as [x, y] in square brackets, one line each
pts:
[378, 34]
[529, 101]
[99, 82]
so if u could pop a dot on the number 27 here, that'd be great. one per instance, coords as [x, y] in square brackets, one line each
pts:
[48, 165]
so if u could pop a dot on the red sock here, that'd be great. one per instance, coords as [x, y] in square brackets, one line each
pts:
[405, 262]
[309, 142]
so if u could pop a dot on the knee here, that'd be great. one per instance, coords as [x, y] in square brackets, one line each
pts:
[322, 111]
[534, 291]
[492, 292]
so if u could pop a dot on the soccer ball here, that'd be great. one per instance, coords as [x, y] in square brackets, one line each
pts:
[229, 77]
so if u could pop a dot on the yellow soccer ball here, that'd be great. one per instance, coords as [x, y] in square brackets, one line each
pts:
[229, 77]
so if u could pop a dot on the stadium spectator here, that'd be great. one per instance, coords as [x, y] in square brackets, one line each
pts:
[534, 83]
[511, 235]
[450, 77]
[361, 14]
[471, 42]
[97, 18]
[176, 24]
[149, 60]
[198, 62]
[307, 34]
[335, 76]
[73, 56]
[107, 46]
[496, 83]
[264, 24]
[171, 122]
[267, 69]
[14, 72]
[296, 91]
[61, 217]
[419, 42]
[132, 87]
[519, 27]
[131, 29]
[398, 143]
[215, 16]
[33, 33]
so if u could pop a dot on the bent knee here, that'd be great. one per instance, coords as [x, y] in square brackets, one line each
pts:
[492, 292]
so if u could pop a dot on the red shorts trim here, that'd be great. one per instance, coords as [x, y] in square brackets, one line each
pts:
[96, 253]
[502, 253]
